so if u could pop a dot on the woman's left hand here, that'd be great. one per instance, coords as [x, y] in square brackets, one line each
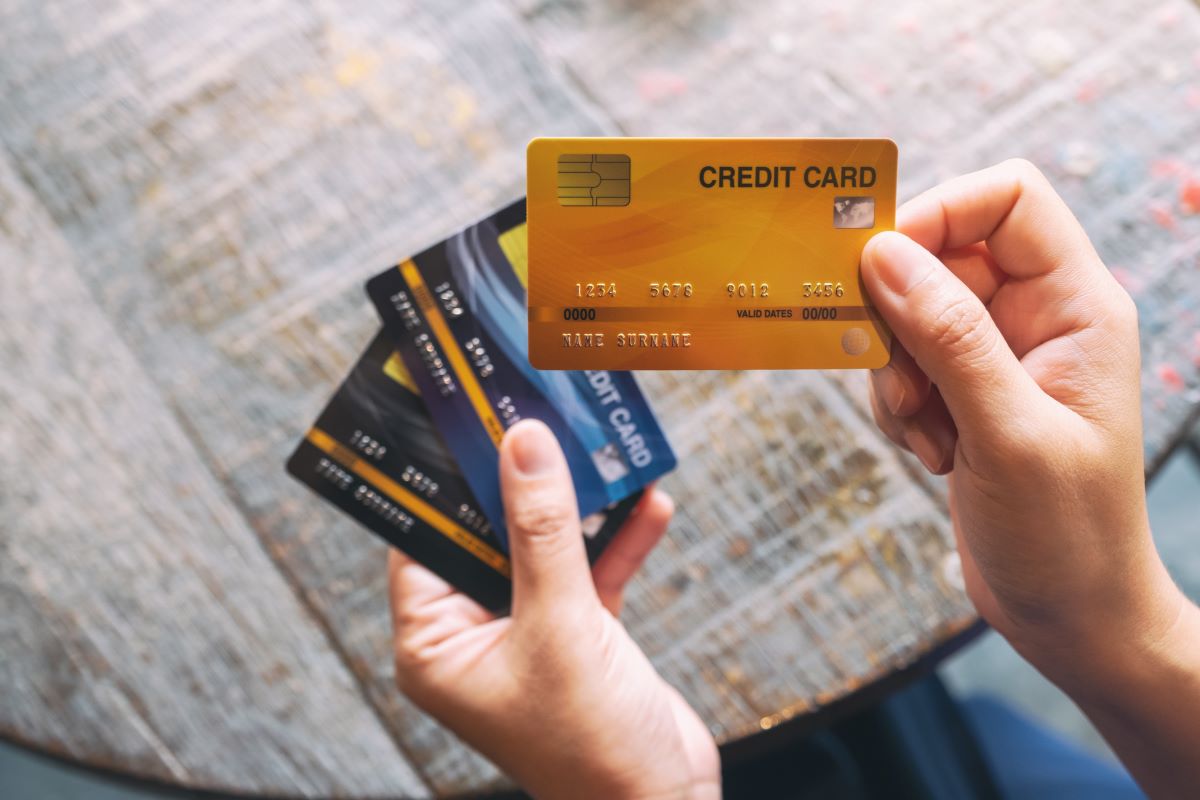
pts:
[557, 695]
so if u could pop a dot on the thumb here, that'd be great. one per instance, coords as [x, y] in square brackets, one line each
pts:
[549, 563]
[948, 331]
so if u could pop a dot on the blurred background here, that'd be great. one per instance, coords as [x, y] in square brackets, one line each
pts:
[191, 196]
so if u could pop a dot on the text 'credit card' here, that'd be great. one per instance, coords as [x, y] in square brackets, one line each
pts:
[705, 253]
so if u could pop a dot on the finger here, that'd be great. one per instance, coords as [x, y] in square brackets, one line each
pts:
[410, 584]
[425, 609]
[929, 434]
[1013, 208]
[888, 423]
[932, 436]
[550, 567]
[947, 330]
[901, 386]
[627, 551]
[975, 266]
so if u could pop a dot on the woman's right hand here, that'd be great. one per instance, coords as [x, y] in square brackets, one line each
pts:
[1015, 369]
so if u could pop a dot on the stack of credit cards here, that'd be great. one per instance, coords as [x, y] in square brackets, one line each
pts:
[408, 445]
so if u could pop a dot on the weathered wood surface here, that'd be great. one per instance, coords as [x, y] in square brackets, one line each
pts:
[1104, 97]
[191, 195]
[142, 622]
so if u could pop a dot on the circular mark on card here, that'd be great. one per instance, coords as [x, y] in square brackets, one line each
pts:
[855, 342]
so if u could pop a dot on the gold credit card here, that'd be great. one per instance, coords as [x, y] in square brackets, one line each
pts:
[705, 253]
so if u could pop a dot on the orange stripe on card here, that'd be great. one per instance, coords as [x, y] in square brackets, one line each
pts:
[458, 362]
[409, 501]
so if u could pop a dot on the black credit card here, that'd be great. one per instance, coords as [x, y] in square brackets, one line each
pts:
[375, 454]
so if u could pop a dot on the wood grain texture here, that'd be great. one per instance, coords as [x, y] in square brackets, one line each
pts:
[142, 625]
[209, 184]
[1102, 97]
[803, 562]
[226, 182]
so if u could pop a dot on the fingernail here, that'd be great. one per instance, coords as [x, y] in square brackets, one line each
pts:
[925, 449]
[899, 261]
[891, 388]
[533, 448]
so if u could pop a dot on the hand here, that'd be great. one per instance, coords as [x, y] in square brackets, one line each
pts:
[557, 694]
[1016, 370]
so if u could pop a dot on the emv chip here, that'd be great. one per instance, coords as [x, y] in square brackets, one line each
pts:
[593, 179]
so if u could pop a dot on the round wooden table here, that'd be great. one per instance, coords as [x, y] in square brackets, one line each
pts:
[191, 196]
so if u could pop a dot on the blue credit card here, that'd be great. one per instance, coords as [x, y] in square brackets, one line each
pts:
[375, 453]
[456, 313]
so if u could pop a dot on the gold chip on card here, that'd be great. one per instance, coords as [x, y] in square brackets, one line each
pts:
[593, 179]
